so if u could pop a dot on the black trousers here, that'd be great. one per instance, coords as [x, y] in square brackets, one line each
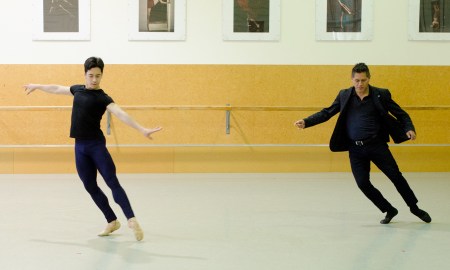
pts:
[381, 156]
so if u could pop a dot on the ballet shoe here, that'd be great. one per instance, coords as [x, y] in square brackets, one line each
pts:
[134, 225]
[111, 227]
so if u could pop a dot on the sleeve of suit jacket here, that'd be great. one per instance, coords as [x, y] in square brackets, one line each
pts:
[400, 114]
[324, 115]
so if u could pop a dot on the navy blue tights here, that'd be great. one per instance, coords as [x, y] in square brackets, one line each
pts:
[92, 156]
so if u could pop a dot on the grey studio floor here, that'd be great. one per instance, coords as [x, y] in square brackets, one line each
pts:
[224, 221]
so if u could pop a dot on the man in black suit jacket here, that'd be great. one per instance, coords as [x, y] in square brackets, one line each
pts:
[367, 117]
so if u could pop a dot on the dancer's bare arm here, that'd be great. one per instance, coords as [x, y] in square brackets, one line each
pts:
[124, 117]
[48, 88]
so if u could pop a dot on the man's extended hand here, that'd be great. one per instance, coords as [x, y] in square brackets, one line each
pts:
[411, 135]
[300, 124]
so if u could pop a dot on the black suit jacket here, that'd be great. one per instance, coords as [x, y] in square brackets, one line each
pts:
[395, 121]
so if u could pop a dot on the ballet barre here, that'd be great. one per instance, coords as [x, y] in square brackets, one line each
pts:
[206, 107]
[168, 145]
[227, 108]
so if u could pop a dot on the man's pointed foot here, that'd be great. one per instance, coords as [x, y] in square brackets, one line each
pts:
[111, 227]
[389, 216]
[422, 215]
[137, 230]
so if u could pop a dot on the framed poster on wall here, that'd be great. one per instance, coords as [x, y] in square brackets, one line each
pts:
[157, 19]
[344, 19]
[61, 19]
[427, 20]
[251, 19]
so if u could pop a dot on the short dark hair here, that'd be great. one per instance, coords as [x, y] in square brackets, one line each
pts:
[93, 62]
[361, 68]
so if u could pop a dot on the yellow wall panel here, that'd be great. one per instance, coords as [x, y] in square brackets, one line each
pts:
[216, 85]
[44, 160]
[143, 160]
[7, 161]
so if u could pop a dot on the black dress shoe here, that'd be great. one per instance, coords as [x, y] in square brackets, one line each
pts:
[389, 216]
[422, 215]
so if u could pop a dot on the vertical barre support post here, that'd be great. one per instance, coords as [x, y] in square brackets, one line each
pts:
[227, 120]
[108, 123]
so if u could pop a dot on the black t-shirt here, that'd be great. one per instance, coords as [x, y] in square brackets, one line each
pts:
[87, 111]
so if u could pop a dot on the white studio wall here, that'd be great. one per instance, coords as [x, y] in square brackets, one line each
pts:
[204, 42]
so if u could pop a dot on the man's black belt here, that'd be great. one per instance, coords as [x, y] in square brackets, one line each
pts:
[368, 141]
